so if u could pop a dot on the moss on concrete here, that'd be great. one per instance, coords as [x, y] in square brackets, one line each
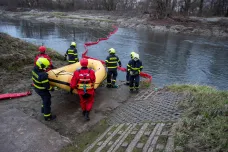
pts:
[83, 140]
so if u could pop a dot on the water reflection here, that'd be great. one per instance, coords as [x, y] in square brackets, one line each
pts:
[169, 58]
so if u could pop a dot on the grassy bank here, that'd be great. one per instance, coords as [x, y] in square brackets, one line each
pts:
[16, 53]
[204, 125]
[16, 62]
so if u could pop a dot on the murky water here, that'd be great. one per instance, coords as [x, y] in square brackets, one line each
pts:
[169, 58]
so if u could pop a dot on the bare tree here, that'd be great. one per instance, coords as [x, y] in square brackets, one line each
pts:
[156, 8]
[201, 7]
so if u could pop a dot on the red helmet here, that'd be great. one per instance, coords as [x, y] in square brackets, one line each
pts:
[42, 49]
[84, 62]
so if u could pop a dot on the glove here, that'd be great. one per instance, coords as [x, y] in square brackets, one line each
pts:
[71, 90]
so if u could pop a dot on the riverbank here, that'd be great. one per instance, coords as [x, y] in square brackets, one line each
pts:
[199, 113]
[16, 66]
[216, 27]
[17, 63]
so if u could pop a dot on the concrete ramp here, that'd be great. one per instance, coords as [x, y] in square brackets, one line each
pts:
[20, 133]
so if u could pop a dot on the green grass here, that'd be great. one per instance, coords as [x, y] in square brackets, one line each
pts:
[83, 140]
[204, 124]
[144, 139]
[144, 84]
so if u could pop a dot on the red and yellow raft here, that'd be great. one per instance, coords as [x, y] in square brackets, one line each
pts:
[61, 77]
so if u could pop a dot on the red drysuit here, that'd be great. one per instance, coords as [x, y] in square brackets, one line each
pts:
[43, 55]
[83, 80]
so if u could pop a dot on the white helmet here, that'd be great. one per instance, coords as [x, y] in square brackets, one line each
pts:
[136, 57]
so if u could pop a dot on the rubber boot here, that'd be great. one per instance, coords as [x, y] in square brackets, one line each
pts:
[51, 117]
[83, 113]
[87, 116]
[108, 85]
[115, 86]
[127, 83]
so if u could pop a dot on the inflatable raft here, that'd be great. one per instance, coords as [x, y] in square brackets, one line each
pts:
[61, 77]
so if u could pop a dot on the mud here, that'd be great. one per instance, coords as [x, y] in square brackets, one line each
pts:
[92, 18]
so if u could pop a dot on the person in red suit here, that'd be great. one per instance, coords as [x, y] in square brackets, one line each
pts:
[42, 54]
[83, 81]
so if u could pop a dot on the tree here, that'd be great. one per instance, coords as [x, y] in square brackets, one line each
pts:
[201, 7]
[110, 5]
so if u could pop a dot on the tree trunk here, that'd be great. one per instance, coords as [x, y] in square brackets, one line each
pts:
[226, 15]
[218, 9]
[201, 7]
[187, 6]
[174, 4]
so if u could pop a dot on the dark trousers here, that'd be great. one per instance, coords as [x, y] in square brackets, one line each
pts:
[111, 76]
[134, 82]
[46, 98]
[128, 77]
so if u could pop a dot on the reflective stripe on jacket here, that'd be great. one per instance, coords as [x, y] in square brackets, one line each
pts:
[72, 54]
[84, 80]
[135, 66]
[40, 79]
[111, 61]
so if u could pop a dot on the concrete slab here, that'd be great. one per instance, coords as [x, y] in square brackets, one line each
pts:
[20, 133]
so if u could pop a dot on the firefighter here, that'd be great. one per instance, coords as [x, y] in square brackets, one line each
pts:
[72, 54]
[83, 81]
[42, 54]
[42, 86]
[134, 67]
[128, 75]
[111, 63]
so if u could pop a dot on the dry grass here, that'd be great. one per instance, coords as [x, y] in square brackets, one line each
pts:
[203, 126]
[16, 53]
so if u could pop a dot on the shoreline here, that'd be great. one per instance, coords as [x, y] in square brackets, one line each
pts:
[192, 26]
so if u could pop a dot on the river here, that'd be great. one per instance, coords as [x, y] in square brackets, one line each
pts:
[169, 58]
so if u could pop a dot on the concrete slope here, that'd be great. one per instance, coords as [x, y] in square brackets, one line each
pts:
[20, 133]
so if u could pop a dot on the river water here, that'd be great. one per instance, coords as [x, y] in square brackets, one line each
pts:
[169, 58]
